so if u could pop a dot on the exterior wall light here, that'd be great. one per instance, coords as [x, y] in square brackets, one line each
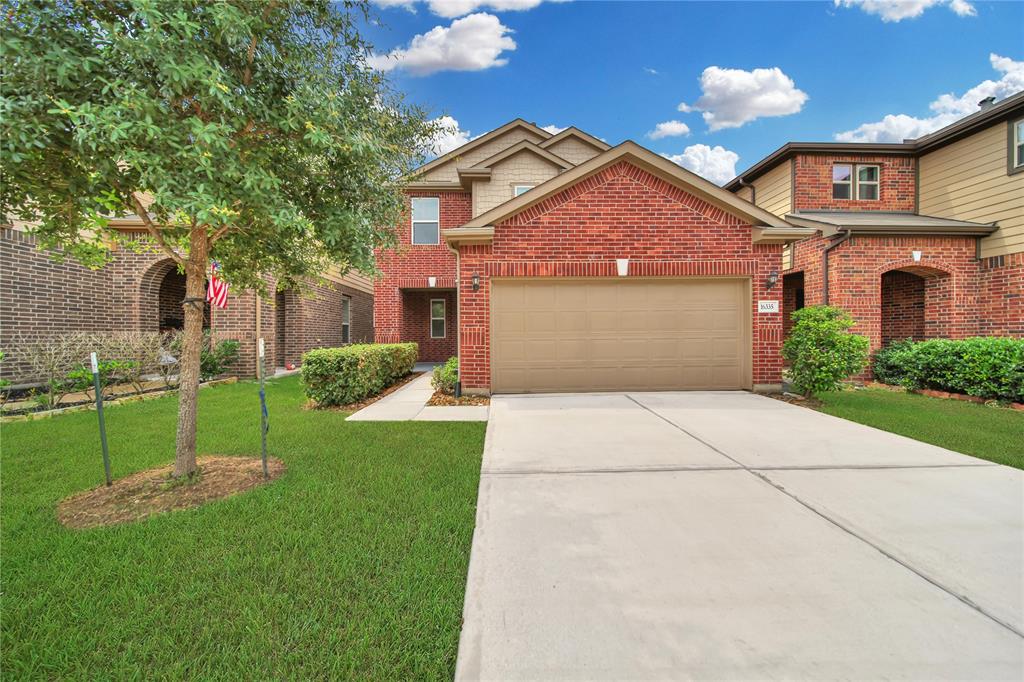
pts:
[773, 279]
[476, 281]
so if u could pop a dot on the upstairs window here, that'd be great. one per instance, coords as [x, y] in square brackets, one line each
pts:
[851, 181]
[1017, 146]
[842, 181]
[867, 183]
[425, 220]
[521, 189]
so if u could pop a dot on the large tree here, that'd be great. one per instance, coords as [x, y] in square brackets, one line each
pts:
[248, 131]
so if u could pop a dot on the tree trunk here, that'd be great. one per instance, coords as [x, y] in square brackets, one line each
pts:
[191, 347]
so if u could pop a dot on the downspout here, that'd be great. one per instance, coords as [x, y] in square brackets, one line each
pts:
[458, 316]
[824, 262]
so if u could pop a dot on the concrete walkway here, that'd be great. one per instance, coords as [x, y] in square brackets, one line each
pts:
[732, 536]
[409, 403]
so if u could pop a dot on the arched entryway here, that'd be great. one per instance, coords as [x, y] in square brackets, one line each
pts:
[161, 295]
[916, 304]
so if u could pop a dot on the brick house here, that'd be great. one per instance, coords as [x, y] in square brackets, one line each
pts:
[41, 298]
[558, 263]
[919, 239]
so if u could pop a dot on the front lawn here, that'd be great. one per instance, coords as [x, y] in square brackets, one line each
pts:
[353, 564]
[987, 432]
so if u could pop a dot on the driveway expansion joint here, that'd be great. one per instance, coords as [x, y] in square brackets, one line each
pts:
[759, 473]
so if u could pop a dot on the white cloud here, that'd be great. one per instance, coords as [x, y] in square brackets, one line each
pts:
[456, 8]
[716, 164]
[409, 5]
[649, 70]
[946, 108]
[898, 10]
[473, 43]
[451, 136]
[553, 129]
[733, 97]
[669, 129]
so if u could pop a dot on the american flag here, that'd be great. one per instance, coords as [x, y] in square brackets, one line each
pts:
[217, 292]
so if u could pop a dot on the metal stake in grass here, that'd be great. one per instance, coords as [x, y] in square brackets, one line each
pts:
[99, 412]
[264, 426]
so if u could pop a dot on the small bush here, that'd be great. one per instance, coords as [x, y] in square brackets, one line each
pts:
[821, 351]
[446, 376]
[111, 372]
[215, 358]
[339, 376]
[991, 368]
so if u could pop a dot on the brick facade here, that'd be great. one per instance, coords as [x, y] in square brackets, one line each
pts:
[407, 268]
[812, 190]
[42, 298]
[622, 211]
[903, 304]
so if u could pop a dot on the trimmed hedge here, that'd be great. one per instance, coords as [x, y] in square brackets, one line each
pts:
[446, 376]
[339, 376]
[991, 368]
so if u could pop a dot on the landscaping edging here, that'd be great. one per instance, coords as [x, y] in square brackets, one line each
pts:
[31, 416]
[947, 395]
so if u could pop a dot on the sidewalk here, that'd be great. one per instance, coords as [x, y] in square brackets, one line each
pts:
[409, 403]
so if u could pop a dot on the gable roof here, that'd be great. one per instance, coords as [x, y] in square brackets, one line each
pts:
[647, 160]
[524, 146]
[573, 131]
[878, 222]
[483, 139]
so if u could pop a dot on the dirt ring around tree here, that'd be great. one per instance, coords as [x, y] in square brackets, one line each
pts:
[152, 491]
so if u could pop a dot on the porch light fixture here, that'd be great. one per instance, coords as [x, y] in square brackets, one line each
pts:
[916, 255]
[773, 279]
[476, 281]
[622, 266]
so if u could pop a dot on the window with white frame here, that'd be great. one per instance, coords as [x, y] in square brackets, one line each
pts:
[1017, 146]
[867, 183]
[842, 181]
[855, 181]
[426, 220]
[346, 319]
[437, 330]
[521, 189]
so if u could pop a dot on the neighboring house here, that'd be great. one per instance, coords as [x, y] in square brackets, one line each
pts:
[556, 263]
[918, 239]
[41, 298]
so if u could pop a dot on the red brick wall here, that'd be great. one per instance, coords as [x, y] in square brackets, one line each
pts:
[953, 307]
[416, 324]
[1002, 295]
[622, 211]
[408, 267]
[813, 186]
[903, 303]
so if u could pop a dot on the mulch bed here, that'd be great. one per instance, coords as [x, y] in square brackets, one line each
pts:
[149, 492]
[793, 399]
[443, 399]
[352, 407]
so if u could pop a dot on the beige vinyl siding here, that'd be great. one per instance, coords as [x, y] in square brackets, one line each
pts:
[745, 193]
[773, 191]
[524, 168]
[967, 180]
[352, 278]
[573, 150]
[448, 172]
[787, 256]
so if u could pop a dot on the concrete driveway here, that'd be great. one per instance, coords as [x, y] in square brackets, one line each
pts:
[732, 536]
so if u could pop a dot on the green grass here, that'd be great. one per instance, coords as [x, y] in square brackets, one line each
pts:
[987, 432]
[352, 565]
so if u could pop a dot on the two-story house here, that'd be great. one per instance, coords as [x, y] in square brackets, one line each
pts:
[918, 239]
[557, 263]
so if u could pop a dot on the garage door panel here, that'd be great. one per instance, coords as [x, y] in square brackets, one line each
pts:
[600, 335]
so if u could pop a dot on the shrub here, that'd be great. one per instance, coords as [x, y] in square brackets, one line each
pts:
[214, 359]
[984, 367]
[339, 376]
[821, 352]
[111, 372]
[446, 376]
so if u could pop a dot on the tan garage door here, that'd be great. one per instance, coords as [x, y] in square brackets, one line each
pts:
[616, 335]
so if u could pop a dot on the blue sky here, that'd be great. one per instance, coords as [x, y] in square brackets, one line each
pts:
[729, 82]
